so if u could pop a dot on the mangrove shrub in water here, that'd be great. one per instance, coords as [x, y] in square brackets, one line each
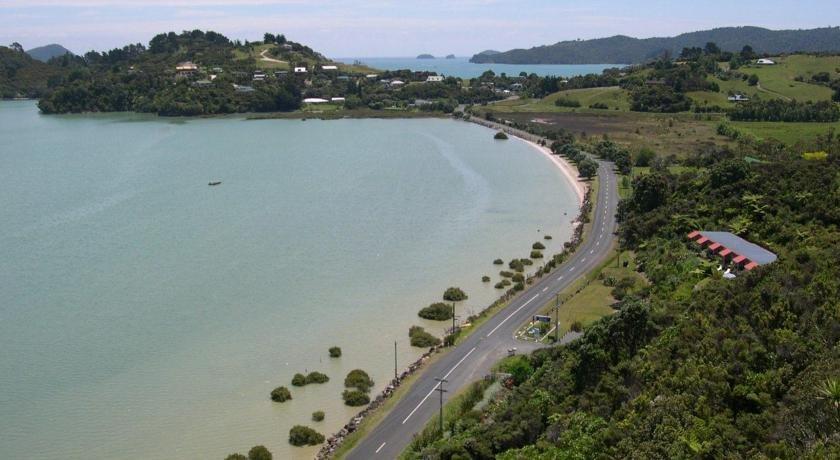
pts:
[437, 312]
[358, 379]
[318, 416]
[420, 338]
[301, 435]
[281, 394]
[355, 398]
[454, 294]
[335, 352]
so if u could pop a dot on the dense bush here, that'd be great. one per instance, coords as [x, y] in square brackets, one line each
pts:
[566, 102]
[538, 246]
[359, 380]
[301, 435]
[788, 111]
[355, 398]
[516, 265]
[500, 136]
[536, 255]
[299, 380]
[498, 262]
[454, 294]
[485, 279]
[316, 377]
[420, 338]
[438, 311]
[335, 352]
[318, 416]
[281, 394]
[518, 278]
[505, 274]
[256, 453]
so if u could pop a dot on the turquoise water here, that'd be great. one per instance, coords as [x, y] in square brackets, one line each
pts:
[147, 315]
[463, 68]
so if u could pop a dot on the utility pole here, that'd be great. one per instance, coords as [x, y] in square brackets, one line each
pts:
[441, 391]
[557, 319]
[395, 360]
[453, 317]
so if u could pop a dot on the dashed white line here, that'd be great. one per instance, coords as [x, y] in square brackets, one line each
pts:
[559, 278]
[584, 259]
[380, 447]
[545, 289]
[571, 268]
[509, 316]
[444, 377]
[592, 251]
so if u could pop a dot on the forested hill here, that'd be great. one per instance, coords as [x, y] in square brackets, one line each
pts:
[47, 52]
[621, 49]
[23, 76]
[191, 73]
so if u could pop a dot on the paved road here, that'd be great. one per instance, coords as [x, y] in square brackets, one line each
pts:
[472, 359]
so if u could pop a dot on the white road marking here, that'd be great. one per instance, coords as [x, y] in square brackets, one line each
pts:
[545, 289]
[509, 316]
[436, 386]
[380, 447]
[571, 268]
[591, 251]
[598, 243]
[559, 278]
[584, 259]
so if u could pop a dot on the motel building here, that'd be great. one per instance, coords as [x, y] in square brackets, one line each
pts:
[734, 251]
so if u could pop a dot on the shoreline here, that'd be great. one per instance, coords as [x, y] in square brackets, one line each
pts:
[565, 167]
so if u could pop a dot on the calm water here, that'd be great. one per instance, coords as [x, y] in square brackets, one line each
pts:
[147, 315]
[463, 68]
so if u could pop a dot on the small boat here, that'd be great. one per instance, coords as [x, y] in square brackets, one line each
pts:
[214, 183]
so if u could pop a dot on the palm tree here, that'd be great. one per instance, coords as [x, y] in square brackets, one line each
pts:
[829, 390]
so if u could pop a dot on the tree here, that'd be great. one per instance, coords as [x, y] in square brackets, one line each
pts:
[358, 379]
[454, 294]
[281, 394]
[753, 80]
[301, 435]
[299, 380]
[335, 352]
[711, 48]
[650, 191]
[318, 416]
[538, 246]
[17, 47]
[422, 339]
[747, 53]
[355, 398]
[644, 157]
[588, 168]
[438, 311]
[259, 453]
[269, 38]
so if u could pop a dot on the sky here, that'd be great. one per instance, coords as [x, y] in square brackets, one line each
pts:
[368, 28]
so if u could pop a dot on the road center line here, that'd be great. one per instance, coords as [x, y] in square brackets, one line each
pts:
[545, 289]
[380, 447]
[444, 377]
[510, 315]
[559, 278]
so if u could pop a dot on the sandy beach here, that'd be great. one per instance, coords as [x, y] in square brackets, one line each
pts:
[567, 168]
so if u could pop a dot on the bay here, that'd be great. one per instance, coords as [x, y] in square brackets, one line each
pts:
[461, 67]
[146, 315]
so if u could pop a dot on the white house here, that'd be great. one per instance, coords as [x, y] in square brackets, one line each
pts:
[329, 67]
[300, 69]
[372, 75]
[765, 62]
[337, 99]
[738, 98]
[314, 100]
[397, 83]
[434, 79]
[259, 75]
[186, 69]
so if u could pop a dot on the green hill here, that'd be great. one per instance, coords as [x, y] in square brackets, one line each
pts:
[23, 76]
[47, 52]
[621, 49]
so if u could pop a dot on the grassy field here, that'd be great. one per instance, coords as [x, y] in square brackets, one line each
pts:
[776, 81]
[589, 299]
[665, 134]
[613, 96]
[788, 133]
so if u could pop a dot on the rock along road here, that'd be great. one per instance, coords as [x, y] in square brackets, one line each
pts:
[473, 358]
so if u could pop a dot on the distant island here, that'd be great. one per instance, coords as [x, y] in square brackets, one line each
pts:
[621, 49]
[450, 56]
[425, 56]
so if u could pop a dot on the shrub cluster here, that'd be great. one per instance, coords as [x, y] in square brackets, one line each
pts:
[359, 380]
[420, 338]
[301, 435]
[281, 394]
[335, 352]
[438, 311]
[454, 294]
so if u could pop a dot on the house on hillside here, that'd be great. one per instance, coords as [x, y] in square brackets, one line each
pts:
[281, 73]
[329, 67]
[259, 75]
[396, 83]
[434, 79]
[735, 252]
[186, 69]
[243, 88]
[738, 98]
[338, 99]
[315, 100]
[300, 69]
[765, 62]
